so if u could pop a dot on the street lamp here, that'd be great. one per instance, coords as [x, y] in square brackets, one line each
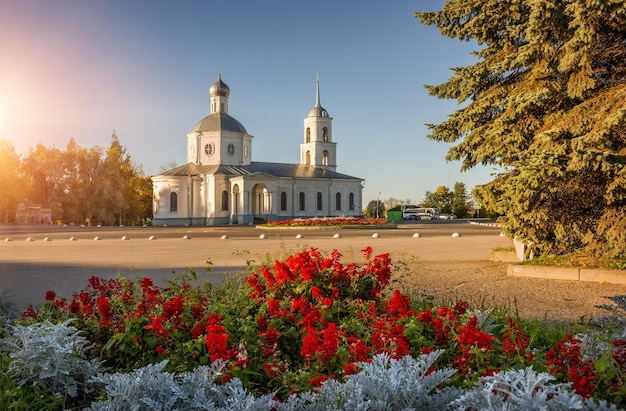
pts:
[377, 205]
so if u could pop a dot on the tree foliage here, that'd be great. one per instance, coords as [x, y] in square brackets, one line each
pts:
[10, 180]
[448, 201]
[544, 103]
[82, 185]
[375, 209]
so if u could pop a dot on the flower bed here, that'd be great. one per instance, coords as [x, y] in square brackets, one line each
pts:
[306, 329]
[329, 222]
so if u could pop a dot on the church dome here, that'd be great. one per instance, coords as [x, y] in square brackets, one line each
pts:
[219, 88]
[318, 111]
[219, 122]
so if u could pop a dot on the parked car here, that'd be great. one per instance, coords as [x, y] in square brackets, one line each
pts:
[411, 217]
[447, 216]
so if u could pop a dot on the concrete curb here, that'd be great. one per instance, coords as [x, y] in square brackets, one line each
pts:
[569, 274]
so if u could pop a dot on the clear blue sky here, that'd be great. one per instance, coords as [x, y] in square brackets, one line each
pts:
[143, 68]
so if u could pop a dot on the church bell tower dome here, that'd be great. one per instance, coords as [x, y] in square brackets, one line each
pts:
[219, 88]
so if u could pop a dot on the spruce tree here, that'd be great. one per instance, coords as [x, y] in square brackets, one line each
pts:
[545, 103]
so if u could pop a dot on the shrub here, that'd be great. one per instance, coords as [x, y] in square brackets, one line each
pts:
[52, 356]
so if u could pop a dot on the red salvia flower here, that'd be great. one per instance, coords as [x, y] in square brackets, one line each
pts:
[310, 345]
[330, 342]
[270, 341]
[157, 326]
[398, 305]
[105, 311]
[217, 340]
[50, 295]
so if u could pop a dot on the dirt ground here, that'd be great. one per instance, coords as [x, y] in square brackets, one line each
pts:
[485, 283]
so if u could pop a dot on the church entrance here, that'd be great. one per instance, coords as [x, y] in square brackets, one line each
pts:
[260, 204]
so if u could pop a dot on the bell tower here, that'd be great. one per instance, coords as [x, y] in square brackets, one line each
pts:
[318, 148]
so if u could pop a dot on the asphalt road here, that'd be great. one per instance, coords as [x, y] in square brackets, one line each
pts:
[51, 261]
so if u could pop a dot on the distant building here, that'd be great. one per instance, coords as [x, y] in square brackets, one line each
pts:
[28, 213]
[220, 184]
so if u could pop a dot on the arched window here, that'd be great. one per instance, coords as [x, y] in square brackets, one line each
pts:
[308, 134]
[325, 158]
[173, 201]
[338, 201]
[325, 135]
[351, 201]
[302, 201]
[307, 159]
[224, 200]
[319, 201]
[283, 201]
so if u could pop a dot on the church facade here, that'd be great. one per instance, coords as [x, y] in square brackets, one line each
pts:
[220, 184]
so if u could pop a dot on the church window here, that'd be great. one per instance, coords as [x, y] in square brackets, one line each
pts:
[302, 208]
[351, 201]
[338, 201]
[307, 159]
[319, 201]
[283, 201]
[308, 134]
[325, 135]
[224, 200]
[231, 149]
[325, 158]
[173, 202]
[208, 149]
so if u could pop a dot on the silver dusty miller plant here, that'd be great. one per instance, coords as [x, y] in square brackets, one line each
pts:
[383, 384]
[524, 390]
[52, 356]
[152, 389]
[389, 384]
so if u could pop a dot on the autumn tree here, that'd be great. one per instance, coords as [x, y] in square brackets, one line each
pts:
[11, 181]
[87, 185]
[441, 198]
[544, 103]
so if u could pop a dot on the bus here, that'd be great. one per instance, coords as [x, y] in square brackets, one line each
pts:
[420, 213]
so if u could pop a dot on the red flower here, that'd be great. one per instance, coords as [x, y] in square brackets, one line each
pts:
[283, 272]
[317, 293]
[349, 369]
[258, 289]
[105, 311]
[514, 341]
[310, 344]
[157, 326]
[399, 305]
[269, 278]
[50, 295]
[270, 342]
[359, 351]
[30, 312]
[273, 307]
[367, 252]
[389, 338]
[330, 342]
[318, 381]
[564, 359]
[471, 335]
[173, 307]
[216, 340]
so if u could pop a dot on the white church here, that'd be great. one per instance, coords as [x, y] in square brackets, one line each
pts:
[220, 184]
